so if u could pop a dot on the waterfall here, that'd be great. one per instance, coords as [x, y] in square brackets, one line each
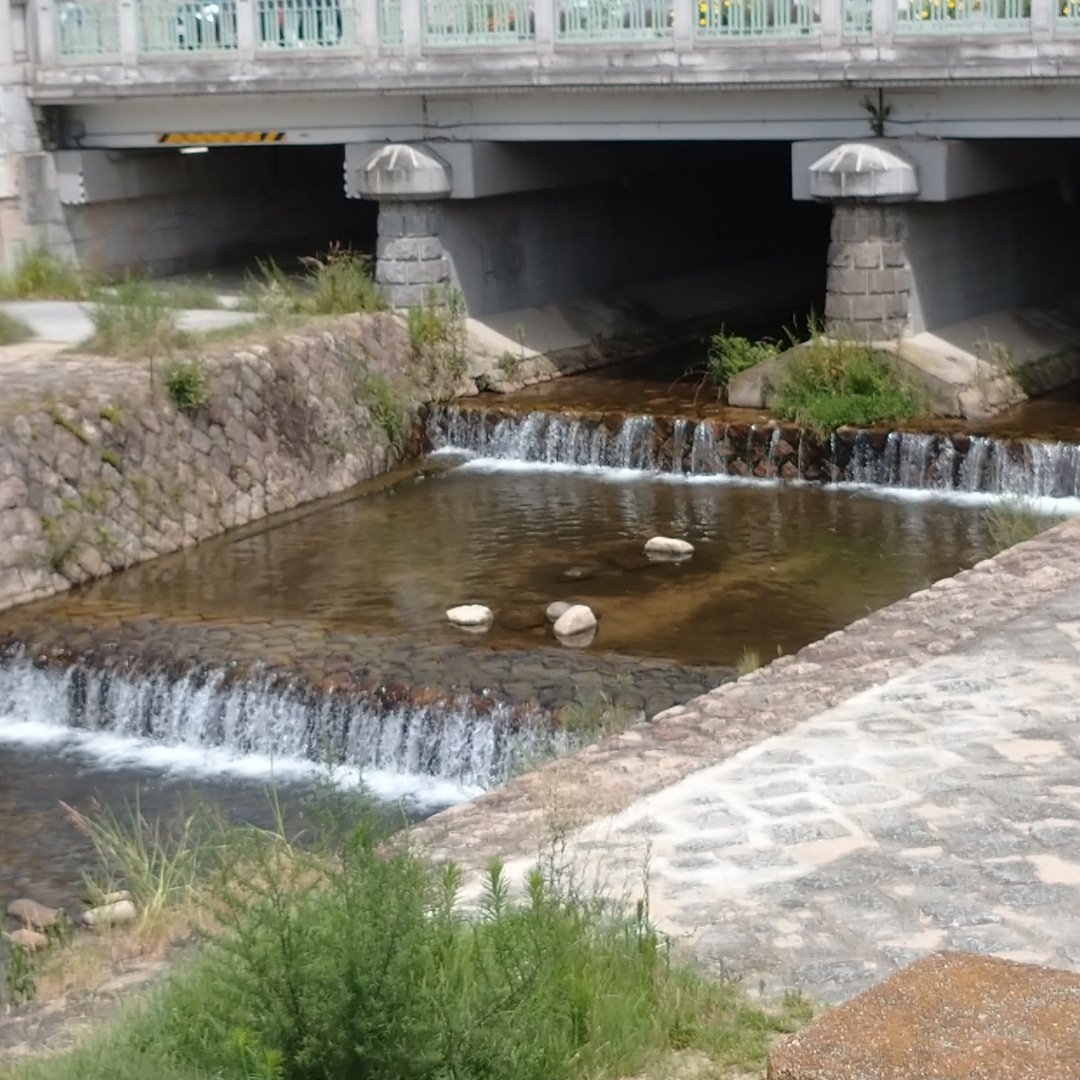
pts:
[897, 459]
[204, 711]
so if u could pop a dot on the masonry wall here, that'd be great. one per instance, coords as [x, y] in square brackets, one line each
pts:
[902, 268]
[114, 473]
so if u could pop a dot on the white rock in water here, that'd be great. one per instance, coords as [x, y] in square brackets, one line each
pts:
[470, 615]
[576, 619]
[109, 914]
[578, 641]
[668, 545]
[556, 610]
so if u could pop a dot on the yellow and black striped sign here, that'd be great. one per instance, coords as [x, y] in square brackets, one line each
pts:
[219, 138]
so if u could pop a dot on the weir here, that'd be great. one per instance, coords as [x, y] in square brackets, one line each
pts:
[943, 462]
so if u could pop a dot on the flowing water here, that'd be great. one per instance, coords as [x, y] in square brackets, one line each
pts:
[319, 639]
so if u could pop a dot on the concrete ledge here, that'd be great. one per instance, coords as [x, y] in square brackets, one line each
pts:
[948, 1016]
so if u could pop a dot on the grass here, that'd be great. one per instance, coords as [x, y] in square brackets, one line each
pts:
[437, 336]
[1012, 521]
[597, 716]
[336, 283]
[335, 959]
[833, 382]
[387, 406]
[13, 330]
[40, 275]
[731, 354]
[133, 319]
[749, 660]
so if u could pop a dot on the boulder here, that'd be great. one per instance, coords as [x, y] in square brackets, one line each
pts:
[668, 547]
[556, 610]
[32, 914]
[578, 641]
[121, 911]
[31, 940]
[470, 615]
[576, 619]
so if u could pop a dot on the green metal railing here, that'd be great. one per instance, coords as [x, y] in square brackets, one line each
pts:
[87, 29]
[304, 24]
[390, 22]
[477, 22]
[613, 20]
[858, 17]
[755, 18]
[189, 26]
[963, 16]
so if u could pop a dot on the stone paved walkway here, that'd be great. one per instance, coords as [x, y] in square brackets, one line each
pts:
[909, 784]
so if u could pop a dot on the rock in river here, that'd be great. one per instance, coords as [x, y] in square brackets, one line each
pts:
[577, 619]
[470, 615]
[556, 610]
[668, 547]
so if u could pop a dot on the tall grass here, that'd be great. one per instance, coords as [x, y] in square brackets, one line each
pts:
[731, 354]
[1013, 520]
[133, 319]
[41, 275]
[832, 382]
[340, 961]
[13, 330]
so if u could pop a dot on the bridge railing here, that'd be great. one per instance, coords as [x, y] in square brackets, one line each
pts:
[88, 31]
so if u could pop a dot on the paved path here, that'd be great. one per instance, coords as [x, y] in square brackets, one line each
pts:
[909, 784]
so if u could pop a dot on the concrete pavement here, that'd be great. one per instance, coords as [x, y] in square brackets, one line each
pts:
[909, 784]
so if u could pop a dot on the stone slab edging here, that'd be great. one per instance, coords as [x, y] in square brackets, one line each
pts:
[523, 817]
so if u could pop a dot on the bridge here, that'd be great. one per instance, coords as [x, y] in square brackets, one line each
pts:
[527, 150]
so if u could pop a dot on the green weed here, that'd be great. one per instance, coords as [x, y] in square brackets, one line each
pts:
[386, 404]
[13, 330]
[730, 354]
[19, 979]
[749, 660]
[339, 960]
[437, 336]
[1013, 520]
[40, 275]
[133, 319]
[341, 283]
[70, 426]
[597, 716]
[832, 382]
[186, 384]
[113, 413]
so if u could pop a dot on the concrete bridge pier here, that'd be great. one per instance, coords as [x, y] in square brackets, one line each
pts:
[928, 234]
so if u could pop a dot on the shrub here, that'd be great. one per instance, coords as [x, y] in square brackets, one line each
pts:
[1012, 521]
[186, 385]
[40, 275]
[834, 382]
[730, 354]
[344, 962]
[437, 336]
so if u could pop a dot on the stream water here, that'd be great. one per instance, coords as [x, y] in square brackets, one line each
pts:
[322, 637]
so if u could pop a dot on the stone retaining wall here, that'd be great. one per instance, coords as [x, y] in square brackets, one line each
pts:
[108, 472]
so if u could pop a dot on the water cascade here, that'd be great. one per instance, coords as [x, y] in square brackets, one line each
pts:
[205, 711]
[895, 459]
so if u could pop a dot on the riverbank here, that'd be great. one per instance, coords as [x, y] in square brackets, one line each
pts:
[106, 463]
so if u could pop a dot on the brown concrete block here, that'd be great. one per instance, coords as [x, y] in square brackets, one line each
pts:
[951, 1016]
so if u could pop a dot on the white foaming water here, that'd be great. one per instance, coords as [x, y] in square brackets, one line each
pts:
[200, 726]
[1045, 475]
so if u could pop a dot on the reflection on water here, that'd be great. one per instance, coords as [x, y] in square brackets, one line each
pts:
[775, 567]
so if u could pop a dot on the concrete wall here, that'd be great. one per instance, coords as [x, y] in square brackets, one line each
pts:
[189, 212]
[697, 207]
[995, 251]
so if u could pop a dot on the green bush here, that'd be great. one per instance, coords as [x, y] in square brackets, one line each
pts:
[186, 384]
[40, 275]
[832, 382]
[386, 405]
[348, 964]
[730, 354]
[13, 330]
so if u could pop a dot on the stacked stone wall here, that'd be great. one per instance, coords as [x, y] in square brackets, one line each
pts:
[112, 472]
[868, 283]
